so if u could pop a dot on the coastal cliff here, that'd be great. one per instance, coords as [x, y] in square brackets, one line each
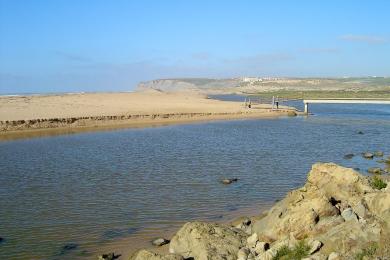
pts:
[263, 85]
[337, 214]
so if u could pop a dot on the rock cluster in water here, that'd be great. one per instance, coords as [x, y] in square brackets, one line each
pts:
[337, 214]
[229, 181]
[109, 256]
[371, 155]
[160, 242]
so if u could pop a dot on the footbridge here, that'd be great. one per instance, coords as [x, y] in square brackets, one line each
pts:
[344, 101]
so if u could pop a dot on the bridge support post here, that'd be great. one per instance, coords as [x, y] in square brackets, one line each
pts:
[306, 108]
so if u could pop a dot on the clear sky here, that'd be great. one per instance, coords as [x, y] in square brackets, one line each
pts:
[101, 45]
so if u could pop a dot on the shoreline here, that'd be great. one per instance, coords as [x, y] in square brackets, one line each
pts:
[38, 116]
[337, 214]
[60, 126]
[127, 246]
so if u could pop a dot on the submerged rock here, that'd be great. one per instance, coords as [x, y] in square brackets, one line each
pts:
[291, 113]
[378, 154]
[204, 241]
[2, 240]
[229, 181]
[68, 247]
[360, 133]
[349, 156]
[374, 170]
[160, 242]
[368, 155]
[113, 233]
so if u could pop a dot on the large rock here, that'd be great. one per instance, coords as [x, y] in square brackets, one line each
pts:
[337, 206]
[378, 204]
[148, 255]
[348, 237]
[329, 190]
[337, 182]
[293, 215]
[204, 241]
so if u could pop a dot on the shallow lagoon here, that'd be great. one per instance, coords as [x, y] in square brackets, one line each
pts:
[92, 188]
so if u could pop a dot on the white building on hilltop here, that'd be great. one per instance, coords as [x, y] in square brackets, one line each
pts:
[251, 79]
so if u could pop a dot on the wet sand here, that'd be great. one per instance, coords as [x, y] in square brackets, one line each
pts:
[30, 116]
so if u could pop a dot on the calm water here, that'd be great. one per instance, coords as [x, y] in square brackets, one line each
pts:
[90, 188]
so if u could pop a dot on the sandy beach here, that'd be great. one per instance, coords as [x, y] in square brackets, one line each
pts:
[26, 116]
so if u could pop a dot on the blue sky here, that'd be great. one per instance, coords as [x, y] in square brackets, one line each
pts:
[100, 45]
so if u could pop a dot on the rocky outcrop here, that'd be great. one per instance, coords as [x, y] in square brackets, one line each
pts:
[337, 206]
[337, 214]
[204, 241]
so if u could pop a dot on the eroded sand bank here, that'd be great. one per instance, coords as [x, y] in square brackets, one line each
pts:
[55, 114]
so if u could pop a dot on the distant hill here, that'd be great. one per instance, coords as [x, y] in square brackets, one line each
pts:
[197, 84]
[255, 85]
